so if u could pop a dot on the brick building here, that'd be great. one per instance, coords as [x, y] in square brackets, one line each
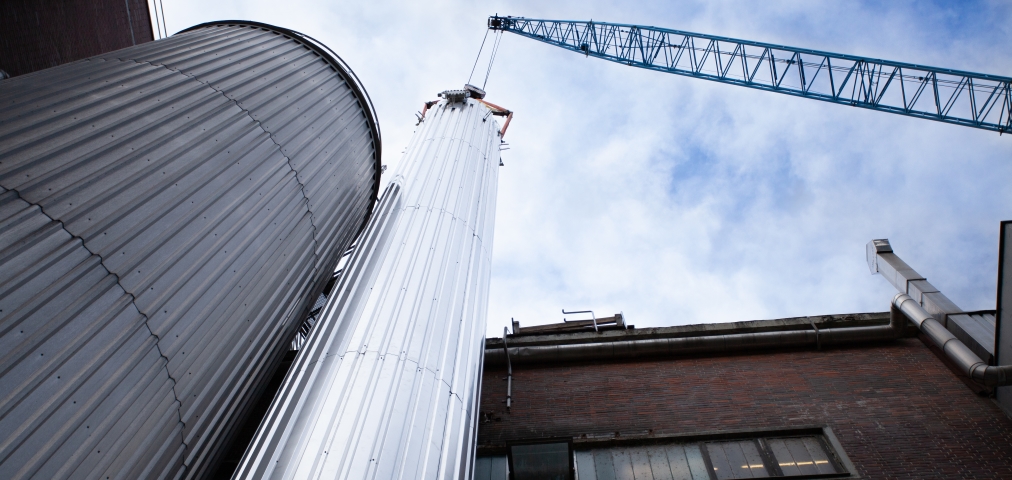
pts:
[892, 407]
[38, 34]
[837, 396]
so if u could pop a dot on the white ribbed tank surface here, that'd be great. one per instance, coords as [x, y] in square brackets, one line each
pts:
[387, 384]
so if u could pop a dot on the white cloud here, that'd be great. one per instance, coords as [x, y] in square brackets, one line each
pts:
[682, 201]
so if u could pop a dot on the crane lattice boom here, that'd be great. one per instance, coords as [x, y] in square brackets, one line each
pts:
[951, 96]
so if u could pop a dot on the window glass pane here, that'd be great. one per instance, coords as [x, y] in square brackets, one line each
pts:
[694, 456]
[753, 461]
[623, 465]
[660, 467]
[546, 461]
[640, 464]
[736, 459]
[819, 455]
[721, 466]
[585, 466]
[739, 466]
[491, 468]
[796, 456]
[679, 464]
[604, 465]
[801, 456]
[786, 461]
[646, 462]
[482, 468]
[500, 468]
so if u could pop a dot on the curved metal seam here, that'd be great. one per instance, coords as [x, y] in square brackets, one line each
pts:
[302, 187]
[133, 301]
[350, 164]
[345, 72]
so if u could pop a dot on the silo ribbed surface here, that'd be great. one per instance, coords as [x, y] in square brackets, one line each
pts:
[386, 385]
[167, 212]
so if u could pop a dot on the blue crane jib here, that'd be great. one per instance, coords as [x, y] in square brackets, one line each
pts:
[945, 95]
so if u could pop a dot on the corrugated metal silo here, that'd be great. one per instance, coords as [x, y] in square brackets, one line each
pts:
[167, 211]
[386, 385]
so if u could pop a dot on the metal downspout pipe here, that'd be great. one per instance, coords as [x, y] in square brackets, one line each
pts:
[509, 372]
[967, 361]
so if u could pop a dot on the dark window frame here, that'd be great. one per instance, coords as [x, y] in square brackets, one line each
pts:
[823, 434]
[542, 441]
[833, 455]
[770, 461]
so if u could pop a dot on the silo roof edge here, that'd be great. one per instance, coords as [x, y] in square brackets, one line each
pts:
[342, 68]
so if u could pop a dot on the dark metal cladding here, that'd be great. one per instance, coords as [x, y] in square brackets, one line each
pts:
[167, 213]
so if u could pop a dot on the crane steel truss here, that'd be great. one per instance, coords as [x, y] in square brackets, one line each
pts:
[951, 96]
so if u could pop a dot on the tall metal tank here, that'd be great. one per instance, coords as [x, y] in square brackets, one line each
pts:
[167, 212]
[387, 384]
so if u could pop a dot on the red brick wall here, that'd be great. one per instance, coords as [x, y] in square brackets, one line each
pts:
[38, 34]
[896, 408]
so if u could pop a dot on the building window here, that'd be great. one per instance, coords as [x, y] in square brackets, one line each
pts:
[491, 467]
[803, 456]
[799, 453]
[675, 461]
[545, 460]
[808, 456]
[738, 459]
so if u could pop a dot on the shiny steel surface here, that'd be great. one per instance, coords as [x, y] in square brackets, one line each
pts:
[976, 335]
[967, 361]
[1003, 320]
[167, 213]
[921, 302]
[978, 328]
[882, 260]
[386, 385]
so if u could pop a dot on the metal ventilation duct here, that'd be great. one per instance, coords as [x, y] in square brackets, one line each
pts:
[386, 386]
[167, 211]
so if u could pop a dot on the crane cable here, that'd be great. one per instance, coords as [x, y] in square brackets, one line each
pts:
[164, 28]
[495, 49]
[479, 56]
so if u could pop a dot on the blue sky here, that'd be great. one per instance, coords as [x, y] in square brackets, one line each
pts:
[681, 201]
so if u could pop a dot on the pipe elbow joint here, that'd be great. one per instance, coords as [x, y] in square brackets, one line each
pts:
[990, 375]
